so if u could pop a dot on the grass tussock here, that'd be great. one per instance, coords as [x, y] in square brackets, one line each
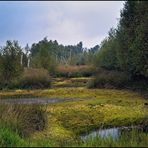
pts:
[23, 119]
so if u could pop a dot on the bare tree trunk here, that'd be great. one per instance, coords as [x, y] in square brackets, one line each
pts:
[21, 59]
[28, 63]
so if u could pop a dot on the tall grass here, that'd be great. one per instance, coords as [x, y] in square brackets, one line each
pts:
[23, 119]
[9, 138]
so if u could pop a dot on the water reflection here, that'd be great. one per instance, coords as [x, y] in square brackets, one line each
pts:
[115, 132]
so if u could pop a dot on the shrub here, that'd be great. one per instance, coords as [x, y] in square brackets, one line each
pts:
[74, 71]
[35, 78]
[109, 79]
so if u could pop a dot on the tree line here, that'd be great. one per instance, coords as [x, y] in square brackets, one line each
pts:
[126, 47]
[44, 54]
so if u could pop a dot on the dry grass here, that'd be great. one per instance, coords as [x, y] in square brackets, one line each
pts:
[74, 71]
[35, 72]
[35, 78]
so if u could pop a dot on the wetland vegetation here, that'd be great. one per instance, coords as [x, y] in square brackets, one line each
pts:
[67, 96]
[86, 110]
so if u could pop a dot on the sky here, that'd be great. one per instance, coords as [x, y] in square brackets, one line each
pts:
[68, 22]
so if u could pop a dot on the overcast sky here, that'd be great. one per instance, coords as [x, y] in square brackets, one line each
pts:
[67, 22]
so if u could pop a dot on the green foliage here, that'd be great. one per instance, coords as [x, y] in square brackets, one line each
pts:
[60, 54]
[9, 138]
[42, 56]
[125, 48]
[132, 40]
[10, 61]
[106, 57]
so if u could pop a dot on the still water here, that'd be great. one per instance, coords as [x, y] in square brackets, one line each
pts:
[115, 132]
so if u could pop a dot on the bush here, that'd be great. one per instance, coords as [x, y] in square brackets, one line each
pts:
[74, 71]
[109, 79]
[35, 78]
